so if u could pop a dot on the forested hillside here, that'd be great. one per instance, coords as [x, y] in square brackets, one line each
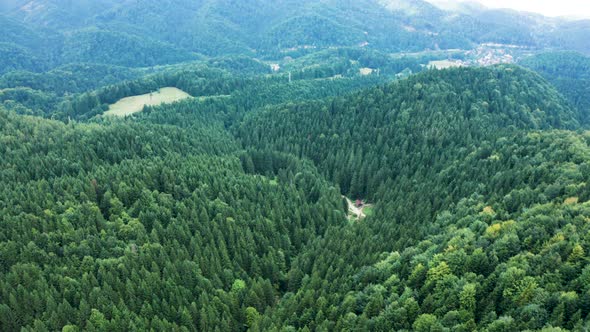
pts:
[282, 165]
[434, 111]
[43, 34]
[450, 186]
[157, 226]
[230, 81]
[226, 214]
[569, 72]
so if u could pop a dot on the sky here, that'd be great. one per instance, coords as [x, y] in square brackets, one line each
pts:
[575, 8]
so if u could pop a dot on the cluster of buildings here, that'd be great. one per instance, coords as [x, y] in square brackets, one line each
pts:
[491, 54]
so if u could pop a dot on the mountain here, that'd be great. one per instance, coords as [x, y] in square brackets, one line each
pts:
[429, 113]
[226, 213]
[465, 7]
[115, 48]
[460, 175]
[273, 29]
[256, 165]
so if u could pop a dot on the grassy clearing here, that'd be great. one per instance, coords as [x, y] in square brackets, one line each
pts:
[134, 104]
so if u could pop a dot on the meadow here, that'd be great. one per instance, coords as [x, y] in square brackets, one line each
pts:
[134, 104]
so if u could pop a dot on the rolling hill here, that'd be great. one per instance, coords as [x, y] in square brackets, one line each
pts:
[265, 28]
[569, 72]
[219, 199]
[215, 215]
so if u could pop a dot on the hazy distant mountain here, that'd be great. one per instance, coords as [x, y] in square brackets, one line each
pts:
[464, 7]
[272, 28]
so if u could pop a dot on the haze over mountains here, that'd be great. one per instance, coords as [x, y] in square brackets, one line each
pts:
[568, 9]
[76, 31]
[256, 165]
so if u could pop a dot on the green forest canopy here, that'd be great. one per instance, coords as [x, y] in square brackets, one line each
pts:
[228, 215]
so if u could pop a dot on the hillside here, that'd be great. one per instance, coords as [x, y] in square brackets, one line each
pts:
[432, 111]
[517, 262]
[455, 182]
[282, 165]
[569, 72]
[157, 33]
[227, 213]
[137, 192]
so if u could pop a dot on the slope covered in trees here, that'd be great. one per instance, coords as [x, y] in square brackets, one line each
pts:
[512, 262]
[569, 72]
[165, 32]
[453, 185]
[433, 112]
[226, 214]
[121, 49]
[156, 226]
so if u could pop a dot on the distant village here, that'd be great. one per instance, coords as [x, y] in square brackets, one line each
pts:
[486, 54]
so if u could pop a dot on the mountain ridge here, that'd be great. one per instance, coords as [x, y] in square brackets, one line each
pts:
[216, 27]
[461, 136]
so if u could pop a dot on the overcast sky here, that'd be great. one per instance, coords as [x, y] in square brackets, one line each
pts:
[578, 8]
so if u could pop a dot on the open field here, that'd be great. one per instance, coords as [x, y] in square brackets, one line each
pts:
[134, 104]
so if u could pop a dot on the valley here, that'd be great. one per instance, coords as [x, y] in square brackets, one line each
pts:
[219, 165]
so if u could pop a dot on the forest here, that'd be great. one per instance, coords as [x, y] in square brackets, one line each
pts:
[230, 210]
[41, 35]
[228, 215]
[569, 72]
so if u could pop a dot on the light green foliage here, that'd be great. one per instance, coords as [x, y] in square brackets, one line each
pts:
[238, 285]
[467, 297]
[427, 323]
[252, 316]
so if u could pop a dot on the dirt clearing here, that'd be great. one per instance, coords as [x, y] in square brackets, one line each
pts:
[357, 211]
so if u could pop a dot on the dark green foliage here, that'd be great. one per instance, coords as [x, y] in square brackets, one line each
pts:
[313, 30]
[28, 101]
[13, 57]
[106, 47]
[240, 65]
[150, 32]
[348, 62]
[363, 140]
[569, 72]
[225, 212]
[72, 78]
[237, 93]
[30, 47]
[431, 173]
[132, 225]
